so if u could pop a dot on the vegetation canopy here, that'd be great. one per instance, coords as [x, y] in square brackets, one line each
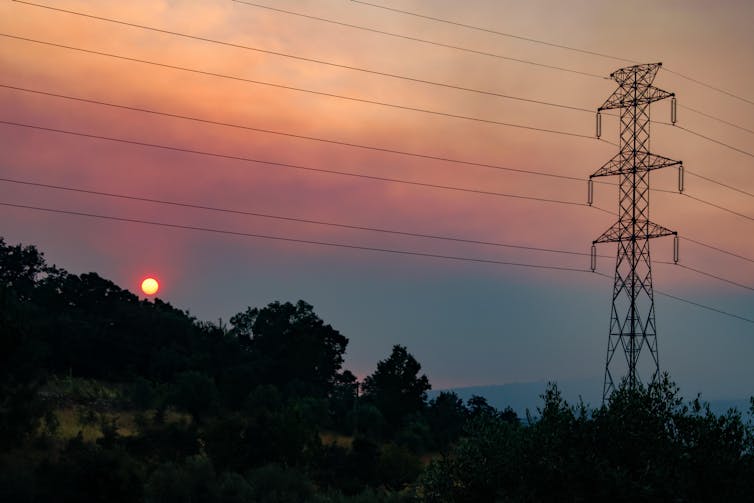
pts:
[106, 397]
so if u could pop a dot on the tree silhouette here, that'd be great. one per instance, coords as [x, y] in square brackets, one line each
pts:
[291, 347]
[446, 416]
[396, 387]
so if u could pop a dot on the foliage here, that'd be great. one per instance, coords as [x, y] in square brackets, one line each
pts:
[397, 466]
[446, 416]
[280, 484]
[194, 480]
[343, 398]
[103, 474]
[643, 445]
[291, 347]
[106, 397]
[396, 388]
[194, 392]
[268, 430]
[21, 406]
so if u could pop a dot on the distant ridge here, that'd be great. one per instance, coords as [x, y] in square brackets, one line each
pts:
[527, 395]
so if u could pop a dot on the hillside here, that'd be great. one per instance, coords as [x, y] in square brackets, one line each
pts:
[108, 397]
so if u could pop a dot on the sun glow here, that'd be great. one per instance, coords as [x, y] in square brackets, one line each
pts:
[150, 286]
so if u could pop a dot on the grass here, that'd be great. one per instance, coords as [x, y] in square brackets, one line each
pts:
[84, 405]
[329, 437]
[73, 420]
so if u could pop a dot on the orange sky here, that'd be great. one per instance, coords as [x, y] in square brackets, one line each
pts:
[704, 40]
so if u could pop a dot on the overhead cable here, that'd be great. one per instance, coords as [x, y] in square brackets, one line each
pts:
[495, 32]
[719, 206]
[289, 218]
[715, 118]
[709, 86]
[298, 57]
[338, 224]
[303, 90]
[295, 166]
[292, 135]
[425, 41]
[718, 249]
[552, 44]
[347, 246]
[291, 240]
[718, 182]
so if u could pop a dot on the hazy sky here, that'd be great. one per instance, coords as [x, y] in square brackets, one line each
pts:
[467, 323]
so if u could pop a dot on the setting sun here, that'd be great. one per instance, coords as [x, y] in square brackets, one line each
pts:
[150, 286]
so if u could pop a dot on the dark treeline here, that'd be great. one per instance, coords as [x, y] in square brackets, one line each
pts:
[106, 397]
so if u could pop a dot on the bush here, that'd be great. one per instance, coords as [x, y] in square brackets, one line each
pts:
[275, 483]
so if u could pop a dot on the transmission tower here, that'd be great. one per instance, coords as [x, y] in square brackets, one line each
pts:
[632, 319]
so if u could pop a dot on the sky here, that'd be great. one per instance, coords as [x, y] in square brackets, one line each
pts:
[468, 323]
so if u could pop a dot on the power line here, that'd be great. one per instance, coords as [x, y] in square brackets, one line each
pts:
[551, 44]
[712, 247]
[290, 219]
[722, 144]
[720, 207]
[691, 302]
[346, 246]
[305, 137]
[424, 41]
[290, 135]
[495, 32]
[405, 153]
[296, 166]
[338, 225]
[710, 116]
[312, 138]
[719, 278]
[709, 308]
[346, 144]
[292, 240]
[291, 56]
[298, 89]
[707, 274]
[709, 86]
[718, 142]
[717, 182]
[335, 142]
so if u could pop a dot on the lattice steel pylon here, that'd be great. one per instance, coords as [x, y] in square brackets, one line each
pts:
[632, 319]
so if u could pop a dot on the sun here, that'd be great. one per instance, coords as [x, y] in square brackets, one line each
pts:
[150, 286]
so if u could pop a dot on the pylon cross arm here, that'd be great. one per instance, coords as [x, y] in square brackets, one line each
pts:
[644, 229]
[622, 164]
[622, 98]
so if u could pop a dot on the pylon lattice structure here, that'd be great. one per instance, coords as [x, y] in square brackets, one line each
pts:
[632, 319]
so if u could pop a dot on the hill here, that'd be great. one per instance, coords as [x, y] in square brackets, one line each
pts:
[528, 395]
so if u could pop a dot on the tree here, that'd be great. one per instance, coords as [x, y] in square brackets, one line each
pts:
[397, 466]
[396, 387]
[195, 393]
[291, 347]
[20, 268]
[343, 402]
[446, 416]
[268, 430]
[480, 464]
[478, 406]
[21, 353]
[193, 481]
[643, 445]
